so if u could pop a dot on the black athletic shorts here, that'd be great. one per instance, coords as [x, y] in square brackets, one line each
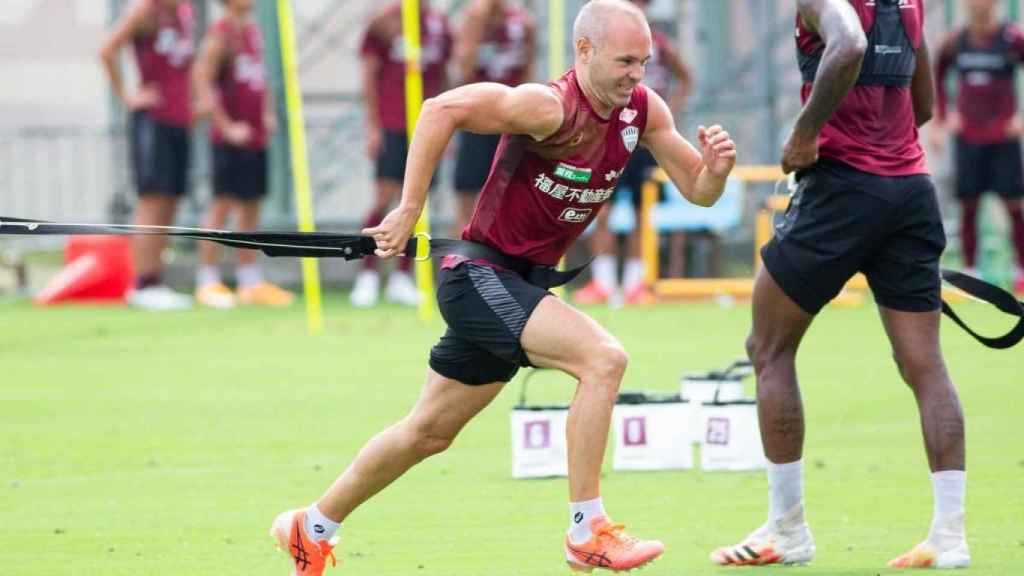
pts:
[473, 163]
[394, 149]
[636, 173]
[486, 311]
[989, 167]
[239, 172]
[159, 156]
[842, 221]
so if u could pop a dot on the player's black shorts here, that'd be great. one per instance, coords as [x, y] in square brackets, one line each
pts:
[473, 164]
[842, 221]
[989, 167]
[394, 149]
[486, 311]
[239, 172]
[160, 156]
[636, 173]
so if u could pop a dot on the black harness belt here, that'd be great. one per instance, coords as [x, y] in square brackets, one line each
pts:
[354, 246]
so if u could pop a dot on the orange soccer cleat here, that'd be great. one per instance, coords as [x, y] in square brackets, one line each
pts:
[310, 557]
[610, 548]
[265, 294]
[592, 293]
[926, 555]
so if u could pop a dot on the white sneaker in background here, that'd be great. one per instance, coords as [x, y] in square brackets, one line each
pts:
[158, 298]
[366, 289]
[785, 541]
[402, 289]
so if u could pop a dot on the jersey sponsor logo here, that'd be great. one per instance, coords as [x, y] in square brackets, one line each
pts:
[906, 5]
[627, 115]
[573, 173]
[249, 71]
[630, 137]
[575, 215]
[612, 175]
[175, 46]
[884, 50]
[558, 191]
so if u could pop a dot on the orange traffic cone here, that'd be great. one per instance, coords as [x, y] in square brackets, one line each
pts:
[98, 268]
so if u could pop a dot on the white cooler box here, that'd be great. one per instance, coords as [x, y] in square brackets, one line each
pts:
[538, 441]
[730, 438]
[651, 433]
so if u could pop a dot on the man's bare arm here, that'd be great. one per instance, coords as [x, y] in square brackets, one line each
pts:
[133, 21]
[699, 176]
[484, 108]
[922, 87]
[468, 40]
[845, 44]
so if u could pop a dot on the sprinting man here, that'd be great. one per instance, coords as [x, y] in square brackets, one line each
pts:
[383, 54]
[865, 203]
[986, 125]
[668, 75]
[547, 184]
[162, 33]
[229, 80]
[496, 43]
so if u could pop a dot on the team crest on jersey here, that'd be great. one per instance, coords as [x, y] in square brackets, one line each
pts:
[630, 137]
[575, 215]
[627, 115]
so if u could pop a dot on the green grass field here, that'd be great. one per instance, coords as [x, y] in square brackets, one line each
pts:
[134, 443]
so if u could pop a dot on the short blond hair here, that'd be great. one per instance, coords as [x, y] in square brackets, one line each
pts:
[597, 15]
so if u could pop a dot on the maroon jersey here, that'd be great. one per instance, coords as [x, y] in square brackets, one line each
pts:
[242, 83]
[987, 98]
[874, 129]
[540, 196]
[658, 76]
[503, 55]
[164, 59]
[384, 40]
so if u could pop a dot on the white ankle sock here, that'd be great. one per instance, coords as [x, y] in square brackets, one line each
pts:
[604, 271]
[250, 275]
[949, 487]
[318, 526]
[580, 515]
[207, 275]
[633, 273]
[785, 489]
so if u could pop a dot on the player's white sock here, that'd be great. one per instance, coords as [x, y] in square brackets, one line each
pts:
[604, 271]
[949, 487]
[250, 275]
[633, 273]
[318, 526]
[207, 275]
[580, 515]
[786, 492]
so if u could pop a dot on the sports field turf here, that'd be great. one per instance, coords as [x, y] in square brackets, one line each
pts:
[134, 443]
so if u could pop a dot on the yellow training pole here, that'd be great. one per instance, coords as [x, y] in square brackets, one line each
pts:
[556, 66]
[413, 103]
[300, 164]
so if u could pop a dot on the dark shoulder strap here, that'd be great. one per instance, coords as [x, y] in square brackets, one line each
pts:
[994, 295]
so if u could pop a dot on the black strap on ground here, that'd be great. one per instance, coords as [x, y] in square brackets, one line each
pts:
[302, 244]
[995, 296]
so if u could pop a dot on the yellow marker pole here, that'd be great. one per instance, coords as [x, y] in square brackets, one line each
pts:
[556, 66]
[300, 164]
[413, 104]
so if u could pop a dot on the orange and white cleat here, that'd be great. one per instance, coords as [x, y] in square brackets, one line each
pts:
[766, 546]
[1018, 286]
[640, 295]
[610, 548]
[216, 295]
[310, 557]
[927, 555]
[265, 294]
[592, 293]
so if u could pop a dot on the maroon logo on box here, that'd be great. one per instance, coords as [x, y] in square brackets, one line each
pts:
[634, 431]
[718, 431]
[537, 435]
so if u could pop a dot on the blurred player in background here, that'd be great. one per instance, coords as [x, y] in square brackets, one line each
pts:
[162, 34]
[986, 125]
[496, 43]
[383, 56]
[229, 80]
[668, 75]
